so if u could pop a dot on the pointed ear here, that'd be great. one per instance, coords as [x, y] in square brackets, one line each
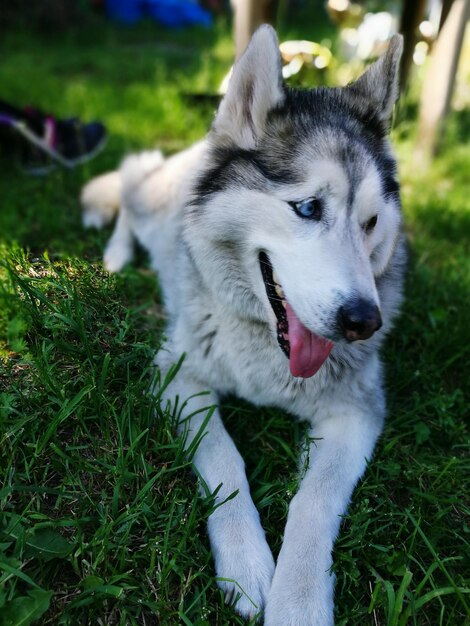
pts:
[254, 89]
[379, 84]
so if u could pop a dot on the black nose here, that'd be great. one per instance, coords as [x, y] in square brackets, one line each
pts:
[359, 319]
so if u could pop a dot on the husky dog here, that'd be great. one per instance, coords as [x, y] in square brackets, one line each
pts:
[280, 253]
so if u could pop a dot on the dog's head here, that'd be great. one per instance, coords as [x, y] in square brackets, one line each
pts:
[297, 214]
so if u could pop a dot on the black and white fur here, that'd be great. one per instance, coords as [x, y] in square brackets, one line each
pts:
[205, 215]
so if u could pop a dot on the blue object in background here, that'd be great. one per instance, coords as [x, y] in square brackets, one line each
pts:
[170, 13]
[125, 11]
[174, 13]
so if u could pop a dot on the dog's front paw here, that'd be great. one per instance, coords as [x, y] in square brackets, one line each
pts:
[283, 611]
[117, 254]
[243, 562]
[94, 219]
[297, 600]
[244, 572]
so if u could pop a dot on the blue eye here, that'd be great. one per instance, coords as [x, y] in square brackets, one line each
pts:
[310, 208]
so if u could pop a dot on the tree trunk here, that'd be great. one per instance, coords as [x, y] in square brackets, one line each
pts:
[412, 16]
[440, 79]
[249, 14]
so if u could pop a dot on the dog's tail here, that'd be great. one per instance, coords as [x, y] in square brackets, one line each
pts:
[102, 196]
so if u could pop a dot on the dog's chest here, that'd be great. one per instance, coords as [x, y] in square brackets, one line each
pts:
[233, 356]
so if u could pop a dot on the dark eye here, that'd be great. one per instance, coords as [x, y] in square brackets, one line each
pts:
[310, 208]
[369, 226]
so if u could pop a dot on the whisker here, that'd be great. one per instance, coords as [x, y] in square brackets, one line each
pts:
[277, 299]
[267, 263]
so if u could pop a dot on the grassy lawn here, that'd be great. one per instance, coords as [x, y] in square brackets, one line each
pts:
[100, 522]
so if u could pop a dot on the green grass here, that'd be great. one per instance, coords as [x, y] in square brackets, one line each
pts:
[100, 522]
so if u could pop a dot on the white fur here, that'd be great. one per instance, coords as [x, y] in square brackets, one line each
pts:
[221, 319]
[100, 199]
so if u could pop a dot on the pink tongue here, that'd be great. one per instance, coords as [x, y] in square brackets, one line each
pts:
[308, 351]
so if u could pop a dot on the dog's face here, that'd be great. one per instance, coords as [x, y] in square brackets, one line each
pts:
[297, 213]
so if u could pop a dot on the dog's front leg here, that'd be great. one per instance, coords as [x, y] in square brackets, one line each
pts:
[242, 556]
[302, 589]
